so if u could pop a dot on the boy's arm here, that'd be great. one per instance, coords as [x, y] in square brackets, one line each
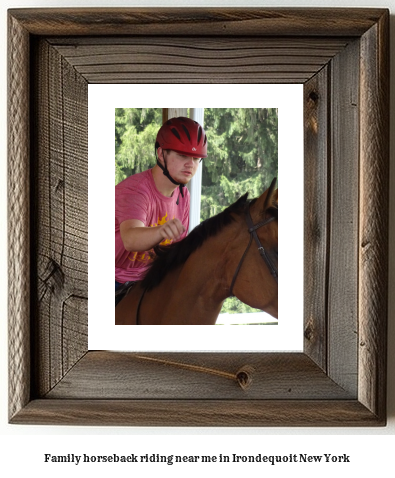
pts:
[137, 238]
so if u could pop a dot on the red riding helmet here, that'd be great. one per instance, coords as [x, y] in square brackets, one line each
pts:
[183, 135]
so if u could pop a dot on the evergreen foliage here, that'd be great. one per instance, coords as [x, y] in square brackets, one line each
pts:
[135, 134]
[242, 155]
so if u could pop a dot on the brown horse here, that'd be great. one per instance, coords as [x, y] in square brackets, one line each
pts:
[189, 280]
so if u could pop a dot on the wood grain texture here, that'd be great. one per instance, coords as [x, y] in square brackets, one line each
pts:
[340, 377]
[198, 21]
[316, 213]
[204, 375]
[343, 223]
[18, 218]
[61, 202]
[197, 59]
[373, 227]
[202, 413]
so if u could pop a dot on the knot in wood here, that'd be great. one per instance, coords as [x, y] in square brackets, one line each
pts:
[54, 276]
[313, 96]
[244, 376]
[309, 332]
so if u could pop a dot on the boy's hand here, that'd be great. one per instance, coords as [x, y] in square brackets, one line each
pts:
[172, 230]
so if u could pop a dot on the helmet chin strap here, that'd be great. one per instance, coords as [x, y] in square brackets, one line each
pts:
[167, 174]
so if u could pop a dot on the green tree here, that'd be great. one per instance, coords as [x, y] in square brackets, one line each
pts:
[135, 134]
[243, 155]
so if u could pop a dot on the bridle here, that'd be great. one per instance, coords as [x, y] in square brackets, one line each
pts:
[252, 228]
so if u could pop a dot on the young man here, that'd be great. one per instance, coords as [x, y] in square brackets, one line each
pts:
[152, 207]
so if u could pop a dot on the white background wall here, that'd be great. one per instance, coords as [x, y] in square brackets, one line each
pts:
[23, 447]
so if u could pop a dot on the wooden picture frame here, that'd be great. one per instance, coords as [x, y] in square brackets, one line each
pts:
[342, 58]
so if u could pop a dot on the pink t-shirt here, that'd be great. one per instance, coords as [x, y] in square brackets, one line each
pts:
[137, 198]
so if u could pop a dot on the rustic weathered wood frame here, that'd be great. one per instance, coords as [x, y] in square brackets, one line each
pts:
[341, 57]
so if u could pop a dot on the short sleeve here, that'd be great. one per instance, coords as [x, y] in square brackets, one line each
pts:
[130, 204]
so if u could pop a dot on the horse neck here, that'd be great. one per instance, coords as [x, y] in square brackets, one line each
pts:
[194, 292]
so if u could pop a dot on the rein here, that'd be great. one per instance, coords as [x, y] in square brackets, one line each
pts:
[253, 235]
[139, 305]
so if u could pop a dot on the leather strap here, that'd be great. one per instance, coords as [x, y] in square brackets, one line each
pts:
[252, 228]
[138, 307]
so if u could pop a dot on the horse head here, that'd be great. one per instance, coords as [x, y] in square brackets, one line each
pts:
[255, 280]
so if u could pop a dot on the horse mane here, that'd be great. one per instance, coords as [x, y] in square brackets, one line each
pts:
[170, 257]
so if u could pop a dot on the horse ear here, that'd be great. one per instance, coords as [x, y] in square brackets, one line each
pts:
[271, 195]
[274, 201]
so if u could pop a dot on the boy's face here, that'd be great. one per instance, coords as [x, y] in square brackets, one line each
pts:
[182, 168]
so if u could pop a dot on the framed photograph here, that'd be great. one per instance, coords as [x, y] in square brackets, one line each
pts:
[228, 102]
[341, 57]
